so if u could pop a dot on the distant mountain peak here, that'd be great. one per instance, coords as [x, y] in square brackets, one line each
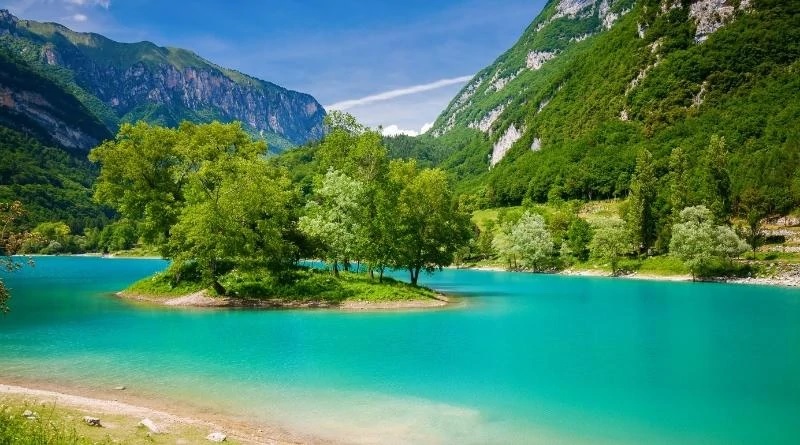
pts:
[123, 82]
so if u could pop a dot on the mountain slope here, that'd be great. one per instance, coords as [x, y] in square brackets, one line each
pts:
[592, 82]
[122, 82]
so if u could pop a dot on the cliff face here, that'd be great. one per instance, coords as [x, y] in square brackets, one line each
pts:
[131, 81]
[37, 106]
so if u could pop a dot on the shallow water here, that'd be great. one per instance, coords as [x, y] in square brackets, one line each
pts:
[528, 359]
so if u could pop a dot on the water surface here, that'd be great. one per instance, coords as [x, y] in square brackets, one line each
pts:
[528, 359]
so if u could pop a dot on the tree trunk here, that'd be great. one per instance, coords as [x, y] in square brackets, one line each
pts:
[335, 268]
[380, 277]
[218, 288]
[414, 275]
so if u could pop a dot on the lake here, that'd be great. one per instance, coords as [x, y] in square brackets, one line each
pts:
[527, 359]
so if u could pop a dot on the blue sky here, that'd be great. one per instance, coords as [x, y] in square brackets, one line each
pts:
[407, 58]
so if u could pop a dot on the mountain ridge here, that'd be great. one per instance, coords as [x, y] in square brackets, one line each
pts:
[124, 82]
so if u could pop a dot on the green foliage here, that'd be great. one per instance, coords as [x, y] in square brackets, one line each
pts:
[577, 240]
[315, 286]
[532, 241]
[611, 242]
[333, 217]
[54, 185]
[429, 227]
[200, 193]
[740, 85]
[640, 212]
[699, 243]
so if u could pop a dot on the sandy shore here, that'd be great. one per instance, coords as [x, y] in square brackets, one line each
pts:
[203, 300]
[122, 414]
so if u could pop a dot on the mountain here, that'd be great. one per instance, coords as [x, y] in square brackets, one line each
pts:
[591, 83]
[125, 82]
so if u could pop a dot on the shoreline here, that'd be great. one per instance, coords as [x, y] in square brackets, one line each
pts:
[121, 412]
[786, 280]
[201, 299]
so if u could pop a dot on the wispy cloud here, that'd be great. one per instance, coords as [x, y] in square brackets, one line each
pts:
[393, 94]
[103, 3]
[80, 17]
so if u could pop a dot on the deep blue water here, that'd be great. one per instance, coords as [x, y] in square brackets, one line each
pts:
[527, 359]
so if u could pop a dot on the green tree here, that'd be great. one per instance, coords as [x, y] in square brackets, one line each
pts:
[142, 176]
[678, 182]
[431, 227]
[332, 217]
[202, 194]
[246, 217]
[697, 242]
[753, 209]
[579, 236]
[640, 215]
[505, 247]
[532, 240]
[715, 185]
[611, 242]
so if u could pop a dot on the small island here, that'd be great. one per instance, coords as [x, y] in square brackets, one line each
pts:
[237, 227]
[298, 288]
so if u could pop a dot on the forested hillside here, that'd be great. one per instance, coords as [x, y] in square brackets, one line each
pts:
[592, 84]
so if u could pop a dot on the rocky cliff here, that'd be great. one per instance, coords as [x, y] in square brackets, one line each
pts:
[130, 81]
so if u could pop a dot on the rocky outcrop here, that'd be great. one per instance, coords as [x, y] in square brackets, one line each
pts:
[711, 15]
[505, 143]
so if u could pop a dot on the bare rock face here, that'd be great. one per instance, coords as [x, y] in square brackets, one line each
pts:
[711, 15]
[505, 143]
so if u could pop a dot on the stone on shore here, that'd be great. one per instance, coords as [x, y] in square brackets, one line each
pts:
[31, 415]
[216, 437]
[150, 425]
[120, 388]
[91, 421]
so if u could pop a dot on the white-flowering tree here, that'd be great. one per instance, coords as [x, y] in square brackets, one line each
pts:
[697, 242]
[532, 241]
[332, 217]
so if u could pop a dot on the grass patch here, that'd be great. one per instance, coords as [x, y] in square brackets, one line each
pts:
[47, 427]
[664, 265]
[304, 285]
[162, 284]
[56, 424]
[297, 285]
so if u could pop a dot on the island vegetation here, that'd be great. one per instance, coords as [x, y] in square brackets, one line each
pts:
[234, 222]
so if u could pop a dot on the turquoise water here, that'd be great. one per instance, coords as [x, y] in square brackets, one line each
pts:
[528, 359]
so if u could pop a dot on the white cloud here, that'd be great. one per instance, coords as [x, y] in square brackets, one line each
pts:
[393, 94]
[394, 130]
[79, 17]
